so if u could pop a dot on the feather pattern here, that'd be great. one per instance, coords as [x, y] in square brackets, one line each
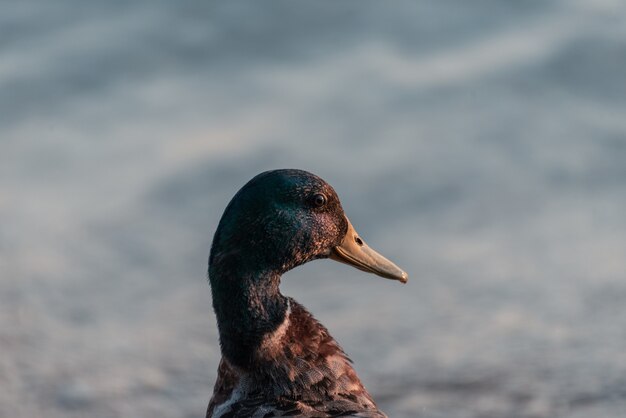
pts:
[300, 372]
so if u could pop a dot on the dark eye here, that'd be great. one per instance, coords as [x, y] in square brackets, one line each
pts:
[319, 200]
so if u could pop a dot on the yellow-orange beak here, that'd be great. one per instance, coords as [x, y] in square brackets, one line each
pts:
[355, 252]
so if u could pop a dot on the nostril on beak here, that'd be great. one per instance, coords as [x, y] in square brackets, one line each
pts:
[358, 241]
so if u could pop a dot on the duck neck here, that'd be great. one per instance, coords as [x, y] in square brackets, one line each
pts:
[248, 306]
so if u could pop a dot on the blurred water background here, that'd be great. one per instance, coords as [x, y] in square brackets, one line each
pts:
[481, 145]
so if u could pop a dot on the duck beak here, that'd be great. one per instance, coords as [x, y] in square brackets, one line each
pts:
[355, 252]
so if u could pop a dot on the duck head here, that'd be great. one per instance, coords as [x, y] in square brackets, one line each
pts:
[283, 218]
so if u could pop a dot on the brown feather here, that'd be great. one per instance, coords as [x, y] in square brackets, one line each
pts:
[300, 372]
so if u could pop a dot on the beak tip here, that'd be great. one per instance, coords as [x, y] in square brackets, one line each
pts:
[404, 278]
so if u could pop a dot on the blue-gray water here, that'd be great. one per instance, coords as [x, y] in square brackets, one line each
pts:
[481, 145]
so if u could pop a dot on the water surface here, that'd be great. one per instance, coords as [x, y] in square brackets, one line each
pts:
[481, 145]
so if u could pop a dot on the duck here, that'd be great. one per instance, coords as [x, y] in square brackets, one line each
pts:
[276, 358]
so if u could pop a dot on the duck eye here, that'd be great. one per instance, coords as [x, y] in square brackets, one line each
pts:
[319, 200]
